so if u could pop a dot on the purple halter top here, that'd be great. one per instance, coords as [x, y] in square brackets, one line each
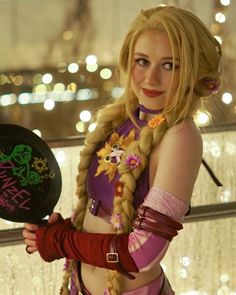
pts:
[100, 190]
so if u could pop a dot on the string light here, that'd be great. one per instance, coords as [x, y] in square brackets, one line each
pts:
[92, 68]
[8, 99]
[227, 98]
[73, 68]
[80, 127]
[59, 87]
[202, 118]
[49, 104]
[47, 78]
[105, 73]
[220, 17]
[225, 2]
[85, 116]
[24, 98]
[41, 88]
[91, 60]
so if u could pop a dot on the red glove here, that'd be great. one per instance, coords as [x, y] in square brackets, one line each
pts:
[103, 250]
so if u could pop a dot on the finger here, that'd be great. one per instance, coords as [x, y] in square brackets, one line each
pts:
[28, 234]
[30, 226]
[55, 218]
[30, 250]
[31, 243]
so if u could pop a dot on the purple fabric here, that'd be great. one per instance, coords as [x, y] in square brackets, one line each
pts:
[73, 289]
[100, 190]
[148, 111]
[142, 251]
[152, 288]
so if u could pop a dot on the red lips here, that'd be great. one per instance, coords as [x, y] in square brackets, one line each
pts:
[151, 93]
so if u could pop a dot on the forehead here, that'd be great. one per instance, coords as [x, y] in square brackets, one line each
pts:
[153, 42]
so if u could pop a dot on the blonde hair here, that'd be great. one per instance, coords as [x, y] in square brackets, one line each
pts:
[199, 53]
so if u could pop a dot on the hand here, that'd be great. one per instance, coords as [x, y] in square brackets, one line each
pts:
[30, 237]
[29, 232]
[50, 238]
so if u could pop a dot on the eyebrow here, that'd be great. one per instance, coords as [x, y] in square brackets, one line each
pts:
[163, 58]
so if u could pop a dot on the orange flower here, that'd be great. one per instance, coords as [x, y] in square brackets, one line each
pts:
[119, 188]
[157, 120]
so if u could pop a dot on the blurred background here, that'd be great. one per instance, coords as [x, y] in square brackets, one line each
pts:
[58, 60]
[58, 65]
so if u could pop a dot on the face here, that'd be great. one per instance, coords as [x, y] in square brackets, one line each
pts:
[152, 70]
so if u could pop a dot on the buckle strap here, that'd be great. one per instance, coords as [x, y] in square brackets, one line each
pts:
[113, 257]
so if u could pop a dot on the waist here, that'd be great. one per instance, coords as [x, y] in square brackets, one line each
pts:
[95, 278]
[96, 208]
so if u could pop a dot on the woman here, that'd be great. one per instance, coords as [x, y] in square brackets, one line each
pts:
[138, 168]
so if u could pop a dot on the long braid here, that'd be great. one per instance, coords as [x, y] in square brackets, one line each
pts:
[109, 117]
[202, 62]
[124, 205]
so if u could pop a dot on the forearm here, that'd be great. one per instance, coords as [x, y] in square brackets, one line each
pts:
[134, 252]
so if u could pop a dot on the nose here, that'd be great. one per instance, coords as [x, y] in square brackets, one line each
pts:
[152, 76]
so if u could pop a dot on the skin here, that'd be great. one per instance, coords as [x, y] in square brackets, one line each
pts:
[174, 164]
[152, 70]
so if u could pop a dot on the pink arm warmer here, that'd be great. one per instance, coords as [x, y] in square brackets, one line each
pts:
[141, 242]
[156, 224]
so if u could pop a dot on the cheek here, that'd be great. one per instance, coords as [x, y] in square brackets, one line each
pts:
[137, 74]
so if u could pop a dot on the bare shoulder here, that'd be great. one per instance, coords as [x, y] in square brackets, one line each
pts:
[184, 135]
[178, 160]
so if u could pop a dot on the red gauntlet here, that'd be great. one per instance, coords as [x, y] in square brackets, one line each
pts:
[103, 250]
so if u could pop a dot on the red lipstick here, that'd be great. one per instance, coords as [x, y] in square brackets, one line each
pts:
[151, 93]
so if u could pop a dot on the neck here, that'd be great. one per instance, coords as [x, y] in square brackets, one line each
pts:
[147, 114]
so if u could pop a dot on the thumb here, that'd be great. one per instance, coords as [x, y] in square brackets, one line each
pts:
[55, 218]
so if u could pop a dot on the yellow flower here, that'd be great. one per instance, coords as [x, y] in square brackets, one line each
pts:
[157, 120]
[110, 154]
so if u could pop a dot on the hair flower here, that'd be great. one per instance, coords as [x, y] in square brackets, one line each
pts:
[212, 85]
[133, 161]
[119, 188]
[116, 221]
[157, 120]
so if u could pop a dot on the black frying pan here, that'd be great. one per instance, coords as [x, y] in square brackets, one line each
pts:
[30, 178]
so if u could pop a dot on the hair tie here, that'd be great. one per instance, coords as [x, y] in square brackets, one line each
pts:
[211, 84]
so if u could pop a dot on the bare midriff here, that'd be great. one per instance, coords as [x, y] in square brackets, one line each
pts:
[95, 278]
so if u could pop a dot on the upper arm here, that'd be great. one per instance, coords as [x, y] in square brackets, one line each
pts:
[178, 160]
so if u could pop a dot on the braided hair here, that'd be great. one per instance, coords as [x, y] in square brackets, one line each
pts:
[199, 76]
